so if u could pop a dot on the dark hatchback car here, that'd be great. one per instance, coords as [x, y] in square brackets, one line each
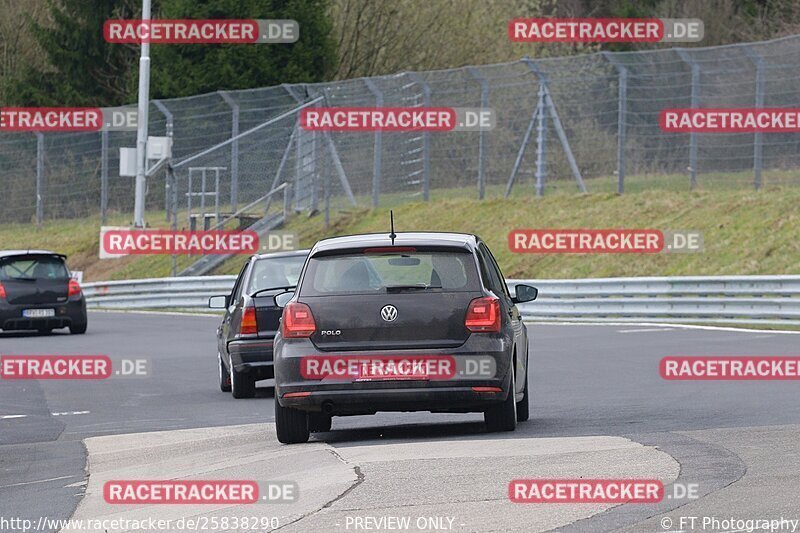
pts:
[38, 293]
[244, 339]
[415, 299]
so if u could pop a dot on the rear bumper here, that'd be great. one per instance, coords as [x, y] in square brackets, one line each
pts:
[66, 314]
[253, 356]
[353, 397]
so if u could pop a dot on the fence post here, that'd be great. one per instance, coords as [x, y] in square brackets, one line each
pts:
[695, 100]
[173, 209]
[475, 73]
[426, 137]
[622, 111]
[299, 140]
[758, 138]
[234, 149]
[378, 140]
[541, 142]
[39, 178]
[169, 125]
[104, 176]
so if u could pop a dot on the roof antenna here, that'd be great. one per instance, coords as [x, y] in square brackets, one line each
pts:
[392, 235]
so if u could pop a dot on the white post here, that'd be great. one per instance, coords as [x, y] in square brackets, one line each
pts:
[141, 130]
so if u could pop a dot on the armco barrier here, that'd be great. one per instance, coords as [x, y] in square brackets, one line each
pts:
[724, 299]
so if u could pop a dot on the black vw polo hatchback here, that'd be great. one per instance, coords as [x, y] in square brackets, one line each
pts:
[400, 322]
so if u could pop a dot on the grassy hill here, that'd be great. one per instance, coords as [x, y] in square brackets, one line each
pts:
[745, 232]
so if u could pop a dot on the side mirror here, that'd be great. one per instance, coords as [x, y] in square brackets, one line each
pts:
[283, 298]
[218, 302]
[524, 293]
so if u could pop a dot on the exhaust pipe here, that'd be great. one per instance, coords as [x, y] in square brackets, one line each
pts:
[327, 407]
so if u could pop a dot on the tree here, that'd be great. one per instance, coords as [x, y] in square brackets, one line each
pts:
[183, 70]
[18, 49]
[81, 68]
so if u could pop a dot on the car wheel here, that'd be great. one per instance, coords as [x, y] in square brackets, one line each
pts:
[503, 416]
[242, 385]
[291, 425]
[523, 406]
[224, 376]
[319, 422]
[79, 329]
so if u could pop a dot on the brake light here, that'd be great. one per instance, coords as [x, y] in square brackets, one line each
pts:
[483, 315]
[297, 321]
[2, 292]
[249, 325]
[74, 288]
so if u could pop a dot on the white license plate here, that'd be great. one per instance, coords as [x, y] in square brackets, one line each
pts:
[38, 313]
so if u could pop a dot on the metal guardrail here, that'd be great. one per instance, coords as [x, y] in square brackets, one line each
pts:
[722, 299]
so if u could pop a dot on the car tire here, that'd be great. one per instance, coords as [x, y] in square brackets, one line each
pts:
[319, 422]
[291, 425]
[503, 416]
[523, 406]
[243, 385]
[224, 376]
[78, 329]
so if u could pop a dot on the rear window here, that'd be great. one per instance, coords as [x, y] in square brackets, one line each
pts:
[32, 268]
[390, 272]
[273, 272]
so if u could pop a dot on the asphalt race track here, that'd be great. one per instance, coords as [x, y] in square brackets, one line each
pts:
[599, 409]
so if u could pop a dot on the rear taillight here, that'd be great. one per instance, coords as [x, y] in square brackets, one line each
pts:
[2, 292]
[483, 315]
[249, 324]
[74, 288]
[297, 321]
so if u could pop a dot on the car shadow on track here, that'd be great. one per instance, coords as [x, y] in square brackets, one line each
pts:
[411, 432]
[15, 334]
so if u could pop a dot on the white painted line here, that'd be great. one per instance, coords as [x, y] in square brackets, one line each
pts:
[642, 330]
[70, 413]
[665, 325]
[37, 481]
[7, 417]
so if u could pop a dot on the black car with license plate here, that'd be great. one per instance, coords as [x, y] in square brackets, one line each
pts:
[37, 292]
[400, 322]
[244, 338]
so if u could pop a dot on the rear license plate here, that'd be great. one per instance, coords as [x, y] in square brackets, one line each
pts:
[38, 313]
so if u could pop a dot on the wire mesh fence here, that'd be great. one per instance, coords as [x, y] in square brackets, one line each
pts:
[600, 109]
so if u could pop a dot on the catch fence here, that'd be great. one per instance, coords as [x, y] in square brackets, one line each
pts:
[561, 122]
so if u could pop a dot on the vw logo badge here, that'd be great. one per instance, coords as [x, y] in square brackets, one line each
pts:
[389, 313]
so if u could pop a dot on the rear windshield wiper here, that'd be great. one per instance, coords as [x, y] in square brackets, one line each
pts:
[414, 287]
[284, 287]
